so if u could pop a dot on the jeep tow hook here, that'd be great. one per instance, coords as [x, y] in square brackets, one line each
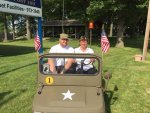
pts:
[40, 89]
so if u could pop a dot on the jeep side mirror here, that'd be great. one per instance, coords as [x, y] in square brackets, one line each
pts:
[107, 75]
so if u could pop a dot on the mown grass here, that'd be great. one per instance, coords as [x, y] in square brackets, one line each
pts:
[127, 90]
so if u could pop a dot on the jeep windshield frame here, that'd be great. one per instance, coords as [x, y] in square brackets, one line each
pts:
[44, 66]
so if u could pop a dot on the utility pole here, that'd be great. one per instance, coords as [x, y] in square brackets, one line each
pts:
[63, 18]
[145, 46]
[90, 37]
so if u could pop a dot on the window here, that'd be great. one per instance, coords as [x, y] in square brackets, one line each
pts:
[77, 66]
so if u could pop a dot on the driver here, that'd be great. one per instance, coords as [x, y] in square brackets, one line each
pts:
[84, 65]
[59, 65]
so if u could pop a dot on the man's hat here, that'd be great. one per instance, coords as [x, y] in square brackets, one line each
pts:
[83, 38]
[64, 36]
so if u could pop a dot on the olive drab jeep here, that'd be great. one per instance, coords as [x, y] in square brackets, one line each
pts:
[69, 92]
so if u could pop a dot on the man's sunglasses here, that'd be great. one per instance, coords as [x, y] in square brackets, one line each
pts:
[64, 39]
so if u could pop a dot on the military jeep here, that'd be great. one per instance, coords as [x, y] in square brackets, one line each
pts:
[69, 92]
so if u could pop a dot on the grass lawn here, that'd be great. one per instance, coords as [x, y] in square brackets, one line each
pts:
[128, 90]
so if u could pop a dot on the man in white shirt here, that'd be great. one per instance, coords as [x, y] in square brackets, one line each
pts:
[84, 65]
[56, 65]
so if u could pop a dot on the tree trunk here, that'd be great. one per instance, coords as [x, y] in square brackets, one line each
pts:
[28, 28]
[13, 27]
[111, 29]
[5, 29]
[120, 31]
[103, 26]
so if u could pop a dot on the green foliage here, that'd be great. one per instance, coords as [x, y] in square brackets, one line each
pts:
[95, 8]
[1, 27]
[127, 90]
[77, 9]
[1, 17]
[20, 26]
[52, 9]
[73, 9]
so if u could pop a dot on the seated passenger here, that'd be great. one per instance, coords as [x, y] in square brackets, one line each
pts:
[84, 66]
[59, 65]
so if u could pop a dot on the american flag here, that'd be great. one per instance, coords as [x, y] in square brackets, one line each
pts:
[104, 42]
[37, 42]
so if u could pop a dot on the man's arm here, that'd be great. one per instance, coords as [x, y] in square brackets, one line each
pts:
[52, 65]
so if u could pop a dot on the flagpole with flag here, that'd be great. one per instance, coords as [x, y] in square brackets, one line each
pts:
[105, 45]
[38, 38]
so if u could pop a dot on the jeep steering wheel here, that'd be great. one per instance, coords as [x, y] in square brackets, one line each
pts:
[83, 62]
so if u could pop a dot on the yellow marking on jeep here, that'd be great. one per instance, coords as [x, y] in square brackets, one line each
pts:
[49, 80]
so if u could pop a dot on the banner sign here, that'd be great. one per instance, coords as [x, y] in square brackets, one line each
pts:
[23, 7]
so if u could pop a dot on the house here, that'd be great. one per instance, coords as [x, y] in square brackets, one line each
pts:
[74, 28]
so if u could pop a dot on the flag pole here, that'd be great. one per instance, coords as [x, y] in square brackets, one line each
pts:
[40, 34]
[101, 45]
[37, 56]
[102, 55]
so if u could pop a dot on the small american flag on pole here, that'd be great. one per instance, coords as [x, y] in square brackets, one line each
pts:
[37, 42]
[104, 42]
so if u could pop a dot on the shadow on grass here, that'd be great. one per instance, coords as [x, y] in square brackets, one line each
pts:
[17, 68]
[52, 39]
[23, 38]
[10, 50]
[134, 42]
[5, 97]
[110, 99]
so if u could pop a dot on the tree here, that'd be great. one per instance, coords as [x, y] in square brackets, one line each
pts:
[13, 26]
[128, 16]
[124, 13]
[5, 28]
[28, 27]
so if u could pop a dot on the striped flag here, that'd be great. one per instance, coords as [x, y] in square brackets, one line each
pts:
[37, 42]
[104, 42]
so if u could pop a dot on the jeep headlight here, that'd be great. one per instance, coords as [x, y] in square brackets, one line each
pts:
[37, 112]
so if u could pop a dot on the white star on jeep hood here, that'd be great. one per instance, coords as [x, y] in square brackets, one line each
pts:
[68, 95]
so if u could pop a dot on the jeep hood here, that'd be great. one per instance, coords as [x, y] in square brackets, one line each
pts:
[61, 98]
[58, 96]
